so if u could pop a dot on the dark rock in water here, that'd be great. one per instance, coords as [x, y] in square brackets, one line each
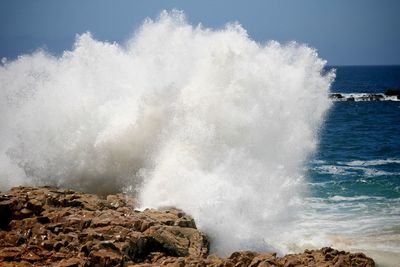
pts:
[53, 227]
[393, 92]
[360, 97]
[336, 96]
[371, 97]
[377, 97]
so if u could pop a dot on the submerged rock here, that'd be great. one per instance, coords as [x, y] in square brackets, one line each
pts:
[48, 226]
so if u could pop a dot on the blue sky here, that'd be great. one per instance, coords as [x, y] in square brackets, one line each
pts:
[345, 32]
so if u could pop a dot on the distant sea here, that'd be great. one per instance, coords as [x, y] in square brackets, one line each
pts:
[354, 177]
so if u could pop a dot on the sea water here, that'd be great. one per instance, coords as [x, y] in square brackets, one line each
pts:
[354, 178]
[239, 134]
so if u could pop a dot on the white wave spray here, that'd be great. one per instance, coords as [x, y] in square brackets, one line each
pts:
[206, 120]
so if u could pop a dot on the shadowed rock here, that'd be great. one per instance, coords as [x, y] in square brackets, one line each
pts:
[393, 92]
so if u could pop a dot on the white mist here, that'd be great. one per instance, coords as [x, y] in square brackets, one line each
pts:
[206, 120]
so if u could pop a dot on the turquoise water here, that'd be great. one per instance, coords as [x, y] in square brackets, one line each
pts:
[354, 178]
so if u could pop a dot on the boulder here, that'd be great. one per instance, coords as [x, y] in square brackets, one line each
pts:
[179, 241]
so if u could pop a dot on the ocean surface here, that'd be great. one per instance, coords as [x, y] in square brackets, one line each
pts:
[354, 177]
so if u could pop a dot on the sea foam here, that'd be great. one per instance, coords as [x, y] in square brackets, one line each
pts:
[206, 120]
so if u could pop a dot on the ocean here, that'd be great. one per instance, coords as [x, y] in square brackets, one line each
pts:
[354, 176]
[241, 135]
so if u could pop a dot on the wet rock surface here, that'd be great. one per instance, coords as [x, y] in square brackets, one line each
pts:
[48, 226]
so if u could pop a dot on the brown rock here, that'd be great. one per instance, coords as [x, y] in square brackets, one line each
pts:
[72, 262]
[243, 258]
[264, 260]
[119, 200]
[26, 212]
[105, 258]
[10, 254]
[16, 264]
[180, 241]
[34, 205]
[47, 226]
[31, 257]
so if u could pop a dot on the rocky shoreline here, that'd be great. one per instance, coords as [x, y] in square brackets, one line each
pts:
[389, 95]
[46, 226]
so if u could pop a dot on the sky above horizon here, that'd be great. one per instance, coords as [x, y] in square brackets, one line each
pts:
[357, 32]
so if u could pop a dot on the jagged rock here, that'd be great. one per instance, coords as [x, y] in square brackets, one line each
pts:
[47, 226]
[72, 262]
[326, 257]
[10, 254]
[243, 258]
[71, 225]
[180, 241]
[105, 257]
[264, 260]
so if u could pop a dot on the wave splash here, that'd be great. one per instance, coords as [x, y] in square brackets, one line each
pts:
[206, 120]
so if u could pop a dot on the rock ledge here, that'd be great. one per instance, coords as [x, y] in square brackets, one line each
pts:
[46, 226]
